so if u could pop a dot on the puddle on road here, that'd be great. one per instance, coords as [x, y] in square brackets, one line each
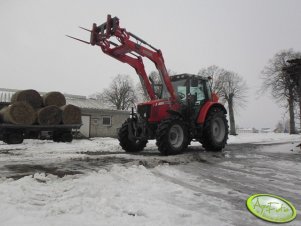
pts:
[21, 170]
[10, 151]
[61, 169]
[94, 161]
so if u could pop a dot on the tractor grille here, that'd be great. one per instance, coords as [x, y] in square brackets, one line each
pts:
[144, 110]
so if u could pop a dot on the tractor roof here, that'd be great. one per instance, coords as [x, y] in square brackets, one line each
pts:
[185, 76]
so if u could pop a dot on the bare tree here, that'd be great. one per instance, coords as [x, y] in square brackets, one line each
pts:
[232, 89]
[120, 94]
[294, 72]
[213, 72]
[280, 84]
[142, 95]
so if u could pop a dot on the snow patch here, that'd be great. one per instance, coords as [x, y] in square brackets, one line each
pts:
[120, 196]
[263, 138]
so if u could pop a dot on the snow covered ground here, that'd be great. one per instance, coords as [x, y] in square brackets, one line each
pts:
[263, 138]
[94, 182]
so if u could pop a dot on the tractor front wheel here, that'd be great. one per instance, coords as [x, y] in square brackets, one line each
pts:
[215, 131]
[172, 136]
[127, 143]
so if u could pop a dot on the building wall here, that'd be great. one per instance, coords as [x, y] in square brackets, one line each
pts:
[97, 126]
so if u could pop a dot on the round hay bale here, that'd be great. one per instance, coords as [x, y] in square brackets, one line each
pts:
[29, 96]
[2, 111]
[54, 98]
[18, 113]
[71, 114]
[50, 115]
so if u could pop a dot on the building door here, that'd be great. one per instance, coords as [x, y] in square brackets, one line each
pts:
[85, 128]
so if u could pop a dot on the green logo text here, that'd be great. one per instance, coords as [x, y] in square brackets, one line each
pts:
[271, 208]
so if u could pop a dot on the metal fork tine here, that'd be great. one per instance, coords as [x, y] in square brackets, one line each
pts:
[78, 39]
[84, 29]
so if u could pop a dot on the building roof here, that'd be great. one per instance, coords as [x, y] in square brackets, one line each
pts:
[6, 94]
[85, 103]
[77, 100]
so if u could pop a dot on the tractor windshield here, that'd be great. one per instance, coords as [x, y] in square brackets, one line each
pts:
[190, 85]
[180, 87]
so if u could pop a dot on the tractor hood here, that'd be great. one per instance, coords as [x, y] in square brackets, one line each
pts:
[156, 110]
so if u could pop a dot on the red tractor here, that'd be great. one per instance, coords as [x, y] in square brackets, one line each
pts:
[182, 108]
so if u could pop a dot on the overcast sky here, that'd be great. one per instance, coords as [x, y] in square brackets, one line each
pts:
[237, 35]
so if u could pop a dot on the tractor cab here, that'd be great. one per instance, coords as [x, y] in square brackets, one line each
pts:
[192, 91]
[191, 86]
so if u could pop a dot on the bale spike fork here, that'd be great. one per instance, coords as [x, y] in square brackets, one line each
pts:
[129, 49]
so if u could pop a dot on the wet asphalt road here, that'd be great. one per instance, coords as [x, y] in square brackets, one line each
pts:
[243, 170]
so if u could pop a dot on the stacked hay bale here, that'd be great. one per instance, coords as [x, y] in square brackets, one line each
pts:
[18, 113]
[69, 114]
[22, 108]
[51, 113]
[29, 96]
[28, 107]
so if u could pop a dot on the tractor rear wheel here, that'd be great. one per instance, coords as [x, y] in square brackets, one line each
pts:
[128, 144]
[172, 136]
[215, 131]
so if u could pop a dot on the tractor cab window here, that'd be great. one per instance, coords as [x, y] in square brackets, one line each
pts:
[209, 91]
[180, 87]
[197, 88]
[181, 92]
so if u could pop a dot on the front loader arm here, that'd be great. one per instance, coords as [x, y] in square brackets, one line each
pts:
[130, 51]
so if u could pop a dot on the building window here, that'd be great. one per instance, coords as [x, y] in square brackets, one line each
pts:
[106, 120]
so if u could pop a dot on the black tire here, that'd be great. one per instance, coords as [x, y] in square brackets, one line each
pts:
[62, 136]
[32, 135]
[13, 138]
[56, 136]
[66, 137]
[172, 136]
[127, 144]
[215, 131]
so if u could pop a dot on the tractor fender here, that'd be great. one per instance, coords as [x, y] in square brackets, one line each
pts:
[206, 108]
